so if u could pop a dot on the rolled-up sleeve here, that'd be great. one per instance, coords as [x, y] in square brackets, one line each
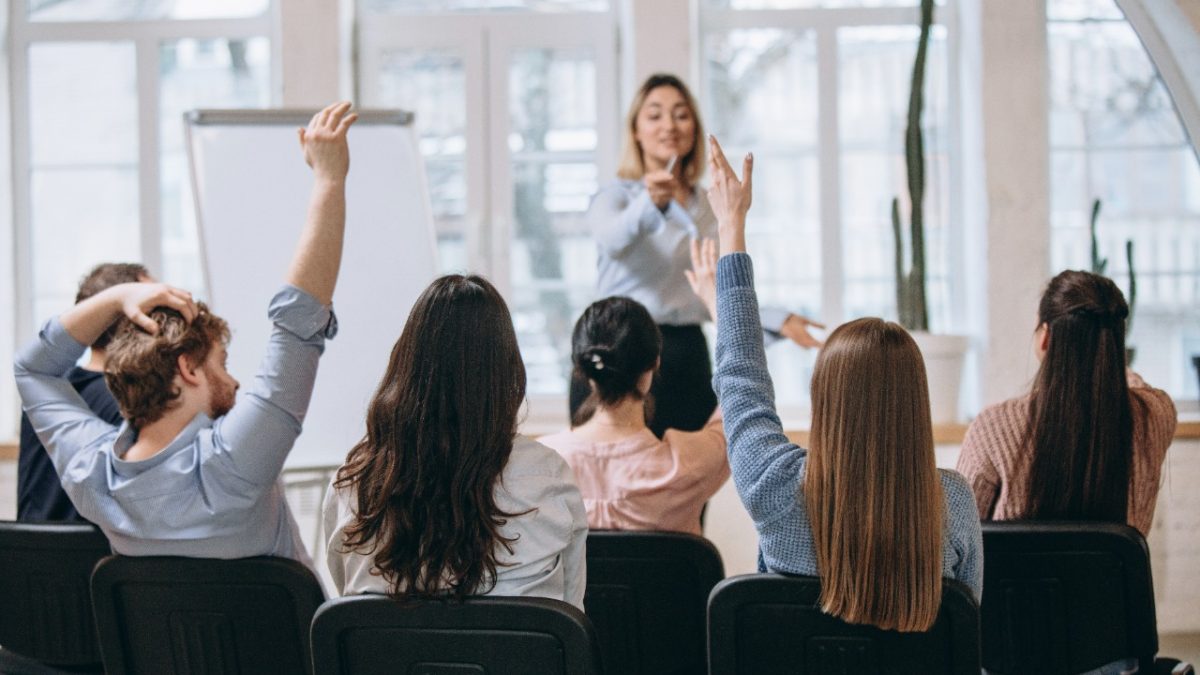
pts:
[260, 430]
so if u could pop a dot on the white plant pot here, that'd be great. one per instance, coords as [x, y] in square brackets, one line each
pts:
[944, 356]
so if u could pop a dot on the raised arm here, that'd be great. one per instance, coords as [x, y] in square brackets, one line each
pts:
[765, 465]
[318, 256]
[261, 429]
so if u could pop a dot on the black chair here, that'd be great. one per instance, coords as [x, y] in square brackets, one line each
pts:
[1062, 598]
[375, 635]
[204, 617]
[646, 595]
[47, 610]
[762, 624]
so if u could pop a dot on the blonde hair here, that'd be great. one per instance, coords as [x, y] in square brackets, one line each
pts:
[632, 166]
[872, 490]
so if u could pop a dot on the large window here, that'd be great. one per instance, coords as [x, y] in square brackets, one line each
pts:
[1115, 136]
[100, 170]
[818, 90]
[98, 91]
[516, 121]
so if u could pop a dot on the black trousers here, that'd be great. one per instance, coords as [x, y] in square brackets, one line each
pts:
[682, 391]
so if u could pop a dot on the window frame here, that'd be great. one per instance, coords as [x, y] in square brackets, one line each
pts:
[146, 36]
[486, 43]
[824, 24]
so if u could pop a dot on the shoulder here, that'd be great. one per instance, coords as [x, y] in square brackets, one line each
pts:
[995, 420]
[530, 459]
[955, 487]
[962, 513]
[621, 187]
[561, 442]
[1155, 403]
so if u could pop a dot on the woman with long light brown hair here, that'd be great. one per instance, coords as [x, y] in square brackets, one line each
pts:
[865, 507]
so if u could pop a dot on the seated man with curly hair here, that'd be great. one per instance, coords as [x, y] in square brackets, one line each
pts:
[190, 472]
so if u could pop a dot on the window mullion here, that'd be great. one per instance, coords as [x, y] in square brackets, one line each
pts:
[149, 199]
[21, 163]
[829, 171]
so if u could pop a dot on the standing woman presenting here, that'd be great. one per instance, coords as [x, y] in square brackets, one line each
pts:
[643, 224]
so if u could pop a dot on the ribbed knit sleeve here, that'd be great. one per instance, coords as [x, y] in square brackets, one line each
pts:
[766, 466]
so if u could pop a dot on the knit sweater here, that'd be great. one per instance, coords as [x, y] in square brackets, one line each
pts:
[768, 470]
[997, 462]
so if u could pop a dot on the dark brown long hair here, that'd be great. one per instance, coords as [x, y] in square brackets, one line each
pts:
[440, 430]
[1080, 427]
[871, 487]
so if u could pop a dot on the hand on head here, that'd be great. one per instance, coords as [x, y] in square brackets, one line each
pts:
[703, 275]
[138, 299]
[324, 141]
[729, 197]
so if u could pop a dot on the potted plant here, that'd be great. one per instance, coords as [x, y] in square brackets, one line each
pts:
[1099, 265]
[944, 354]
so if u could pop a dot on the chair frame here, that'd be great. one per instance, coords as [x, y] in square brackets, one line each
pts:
[115, 572]
[731, 597]
[524, 614]
[29, 636]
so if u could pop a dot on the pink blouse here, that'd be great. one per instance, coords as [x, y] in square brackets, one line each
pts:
[643, 483]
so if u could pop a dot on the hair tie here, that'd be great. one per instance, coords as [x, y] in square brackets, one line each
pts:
[597, 362]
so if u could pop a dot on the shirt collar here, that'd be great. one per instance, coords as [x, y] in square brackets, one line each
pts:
[127, 436]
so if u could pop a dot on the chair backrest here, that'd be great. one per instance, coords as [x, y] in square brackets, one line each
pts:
[647, 593]
[375, 635]
[47, 610]
[203, 616]
[769, 623]
[1065, 597]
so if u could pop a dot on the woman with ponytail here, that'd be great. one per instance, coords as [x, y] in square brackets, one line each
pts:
[1088, 441]
[630, 479]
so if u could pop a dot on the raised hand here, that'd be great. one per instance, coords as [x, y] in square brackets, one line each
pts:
[324, 141]
[703, 275]
[729, 197]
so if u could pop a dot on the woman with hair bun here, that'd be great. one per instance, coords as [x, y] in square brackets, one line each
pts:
[1089, 440]
[630, 479]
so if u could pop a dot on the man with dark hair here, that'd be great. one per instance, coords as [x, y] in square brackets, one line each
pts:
[192, 472]
[40, 496]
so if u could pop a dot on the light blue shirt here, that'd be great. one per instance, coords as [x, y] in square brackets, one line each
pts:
[214, 491]
[643, 252]
[768, 469]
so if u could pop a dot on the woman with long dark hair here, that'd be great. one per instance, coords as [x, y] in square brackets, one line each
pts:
[1088, 441]
[644, 223]
[630, 479]
[865, 507]
[441, 496]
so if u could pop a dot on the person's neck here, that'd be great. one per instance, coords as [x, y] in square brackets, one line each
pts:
[626, 418]
[157, 435]
[96, 360]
